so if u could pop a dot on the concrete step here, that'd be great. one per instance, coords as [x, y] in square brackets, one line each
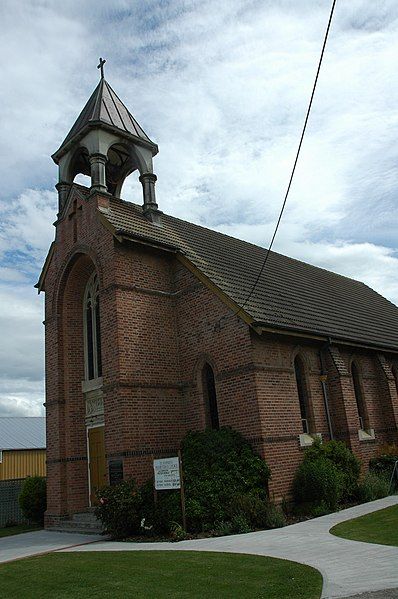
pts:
[85, 517]
[82, 522]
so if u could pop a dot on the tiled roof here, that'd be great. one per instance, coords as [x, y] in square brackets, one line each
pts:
[290, 295]
[22, 433]
[104, 106]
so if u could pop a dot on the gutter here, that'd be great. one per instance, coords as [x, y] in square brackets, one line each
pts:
[286, 330]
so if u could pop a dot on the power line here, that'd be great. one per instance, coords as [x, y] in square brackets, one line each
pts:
[295, 161]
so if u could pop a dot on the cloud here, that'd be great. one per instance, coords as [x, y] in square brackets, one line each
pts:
[21, 350]
[222, 88]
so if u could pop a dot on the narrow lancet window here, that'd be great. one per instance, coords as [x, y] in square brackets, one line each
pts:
[356, 381]
[210, 397]
[302, 395]
[92, 330]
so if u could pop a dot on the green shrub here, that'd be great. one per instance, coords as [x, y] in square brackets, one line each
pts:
[383, 464]
[226, 487]
[373, 486]
[319, 509]
[275, 517]
[256, 510]
[163, 517]
[218, 467]
[177, 532]
[120, 509]
[33, 499]
[240, 524]
[345, 461]
[318, 481]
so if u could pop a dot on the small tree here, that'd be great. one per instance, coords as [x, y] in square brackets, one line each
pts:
[345, 461]
[119, 509]
[33, 499]
[318, 483]
[224, 479]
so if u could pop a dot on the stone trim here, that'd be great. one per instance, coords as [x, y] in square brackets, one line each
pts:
[91, 385]
[307, 439]
[368, 435]
[141, 385]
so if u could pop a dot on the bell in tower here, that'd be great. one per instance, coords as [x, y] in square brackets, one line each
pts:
[107, 144]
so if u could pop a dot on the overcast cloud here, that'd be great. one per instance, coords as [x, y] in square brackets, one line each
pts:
[222, 87]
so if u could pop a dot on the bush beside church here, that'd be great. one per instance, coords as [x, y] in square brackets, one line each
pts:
[226, 489]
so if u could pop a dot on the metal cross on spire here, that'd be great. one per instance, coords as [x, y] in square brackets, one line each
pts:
[102, 61]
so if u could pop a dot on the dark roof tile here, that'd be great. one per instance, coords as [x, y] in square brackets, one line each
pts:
[290, 294]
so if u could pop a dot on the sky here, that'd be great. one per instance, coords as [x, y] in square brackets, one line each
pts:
[222, 88]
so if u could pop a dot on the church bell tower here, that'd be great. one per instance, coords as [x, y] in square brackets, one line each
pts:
[107, 144]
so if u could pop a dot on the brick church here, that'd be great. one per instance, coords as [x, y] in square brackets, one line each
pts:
[152, 331]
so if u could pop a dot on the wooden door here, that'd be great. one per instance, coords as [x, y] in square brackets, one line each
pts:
[97, 462]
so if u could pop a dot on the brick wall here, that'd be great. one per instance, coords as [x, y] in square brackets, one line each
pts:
[159, 326]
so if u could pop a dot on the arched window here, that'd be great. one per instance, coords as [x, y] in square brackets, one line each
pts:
[302, 395]
[210, 397]
[92, 329]
[356, 381]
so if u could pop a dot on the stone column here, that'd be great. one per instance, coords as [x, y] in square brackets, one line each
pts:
[148, 181]
[98, 176]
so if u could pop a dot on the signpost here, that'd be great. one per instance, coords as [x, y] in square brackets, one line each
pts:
[168, 475]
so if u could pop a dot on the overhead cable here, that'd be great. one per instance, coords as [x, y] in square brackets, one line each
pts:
[295, 161]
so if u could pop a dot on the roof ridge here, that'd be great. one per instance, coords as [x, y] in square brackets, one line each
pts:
[97, 104]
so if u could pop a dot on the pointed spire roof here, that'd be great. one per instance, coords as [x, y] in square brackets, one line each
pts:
[104, 109]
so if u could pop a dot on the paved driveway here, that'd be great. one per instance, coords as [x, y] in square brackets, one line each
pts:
[348, 567]
[40, 541]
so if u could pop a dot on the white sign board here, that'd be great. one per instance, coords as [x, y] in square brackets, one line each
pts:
[167, 474]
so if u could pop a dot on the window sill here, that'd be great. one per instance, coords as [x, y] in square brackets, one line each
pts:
[92, 385]
[368, 435]
[307, 440]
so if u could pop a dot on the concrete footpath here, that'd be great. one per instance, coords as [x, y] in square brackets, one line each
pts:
[348, 567]
[40, 541]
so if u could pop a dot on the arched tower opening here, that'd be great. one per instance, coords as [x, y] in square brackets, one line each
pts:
[107, 144]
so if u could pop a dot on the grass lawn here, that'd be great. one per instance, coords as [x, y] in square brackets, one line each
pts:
[16, 530]
[379, 527]
[157, 575]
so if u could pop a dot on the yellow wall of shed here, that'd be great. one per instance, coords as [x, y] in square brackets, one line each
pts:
[23, 463]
